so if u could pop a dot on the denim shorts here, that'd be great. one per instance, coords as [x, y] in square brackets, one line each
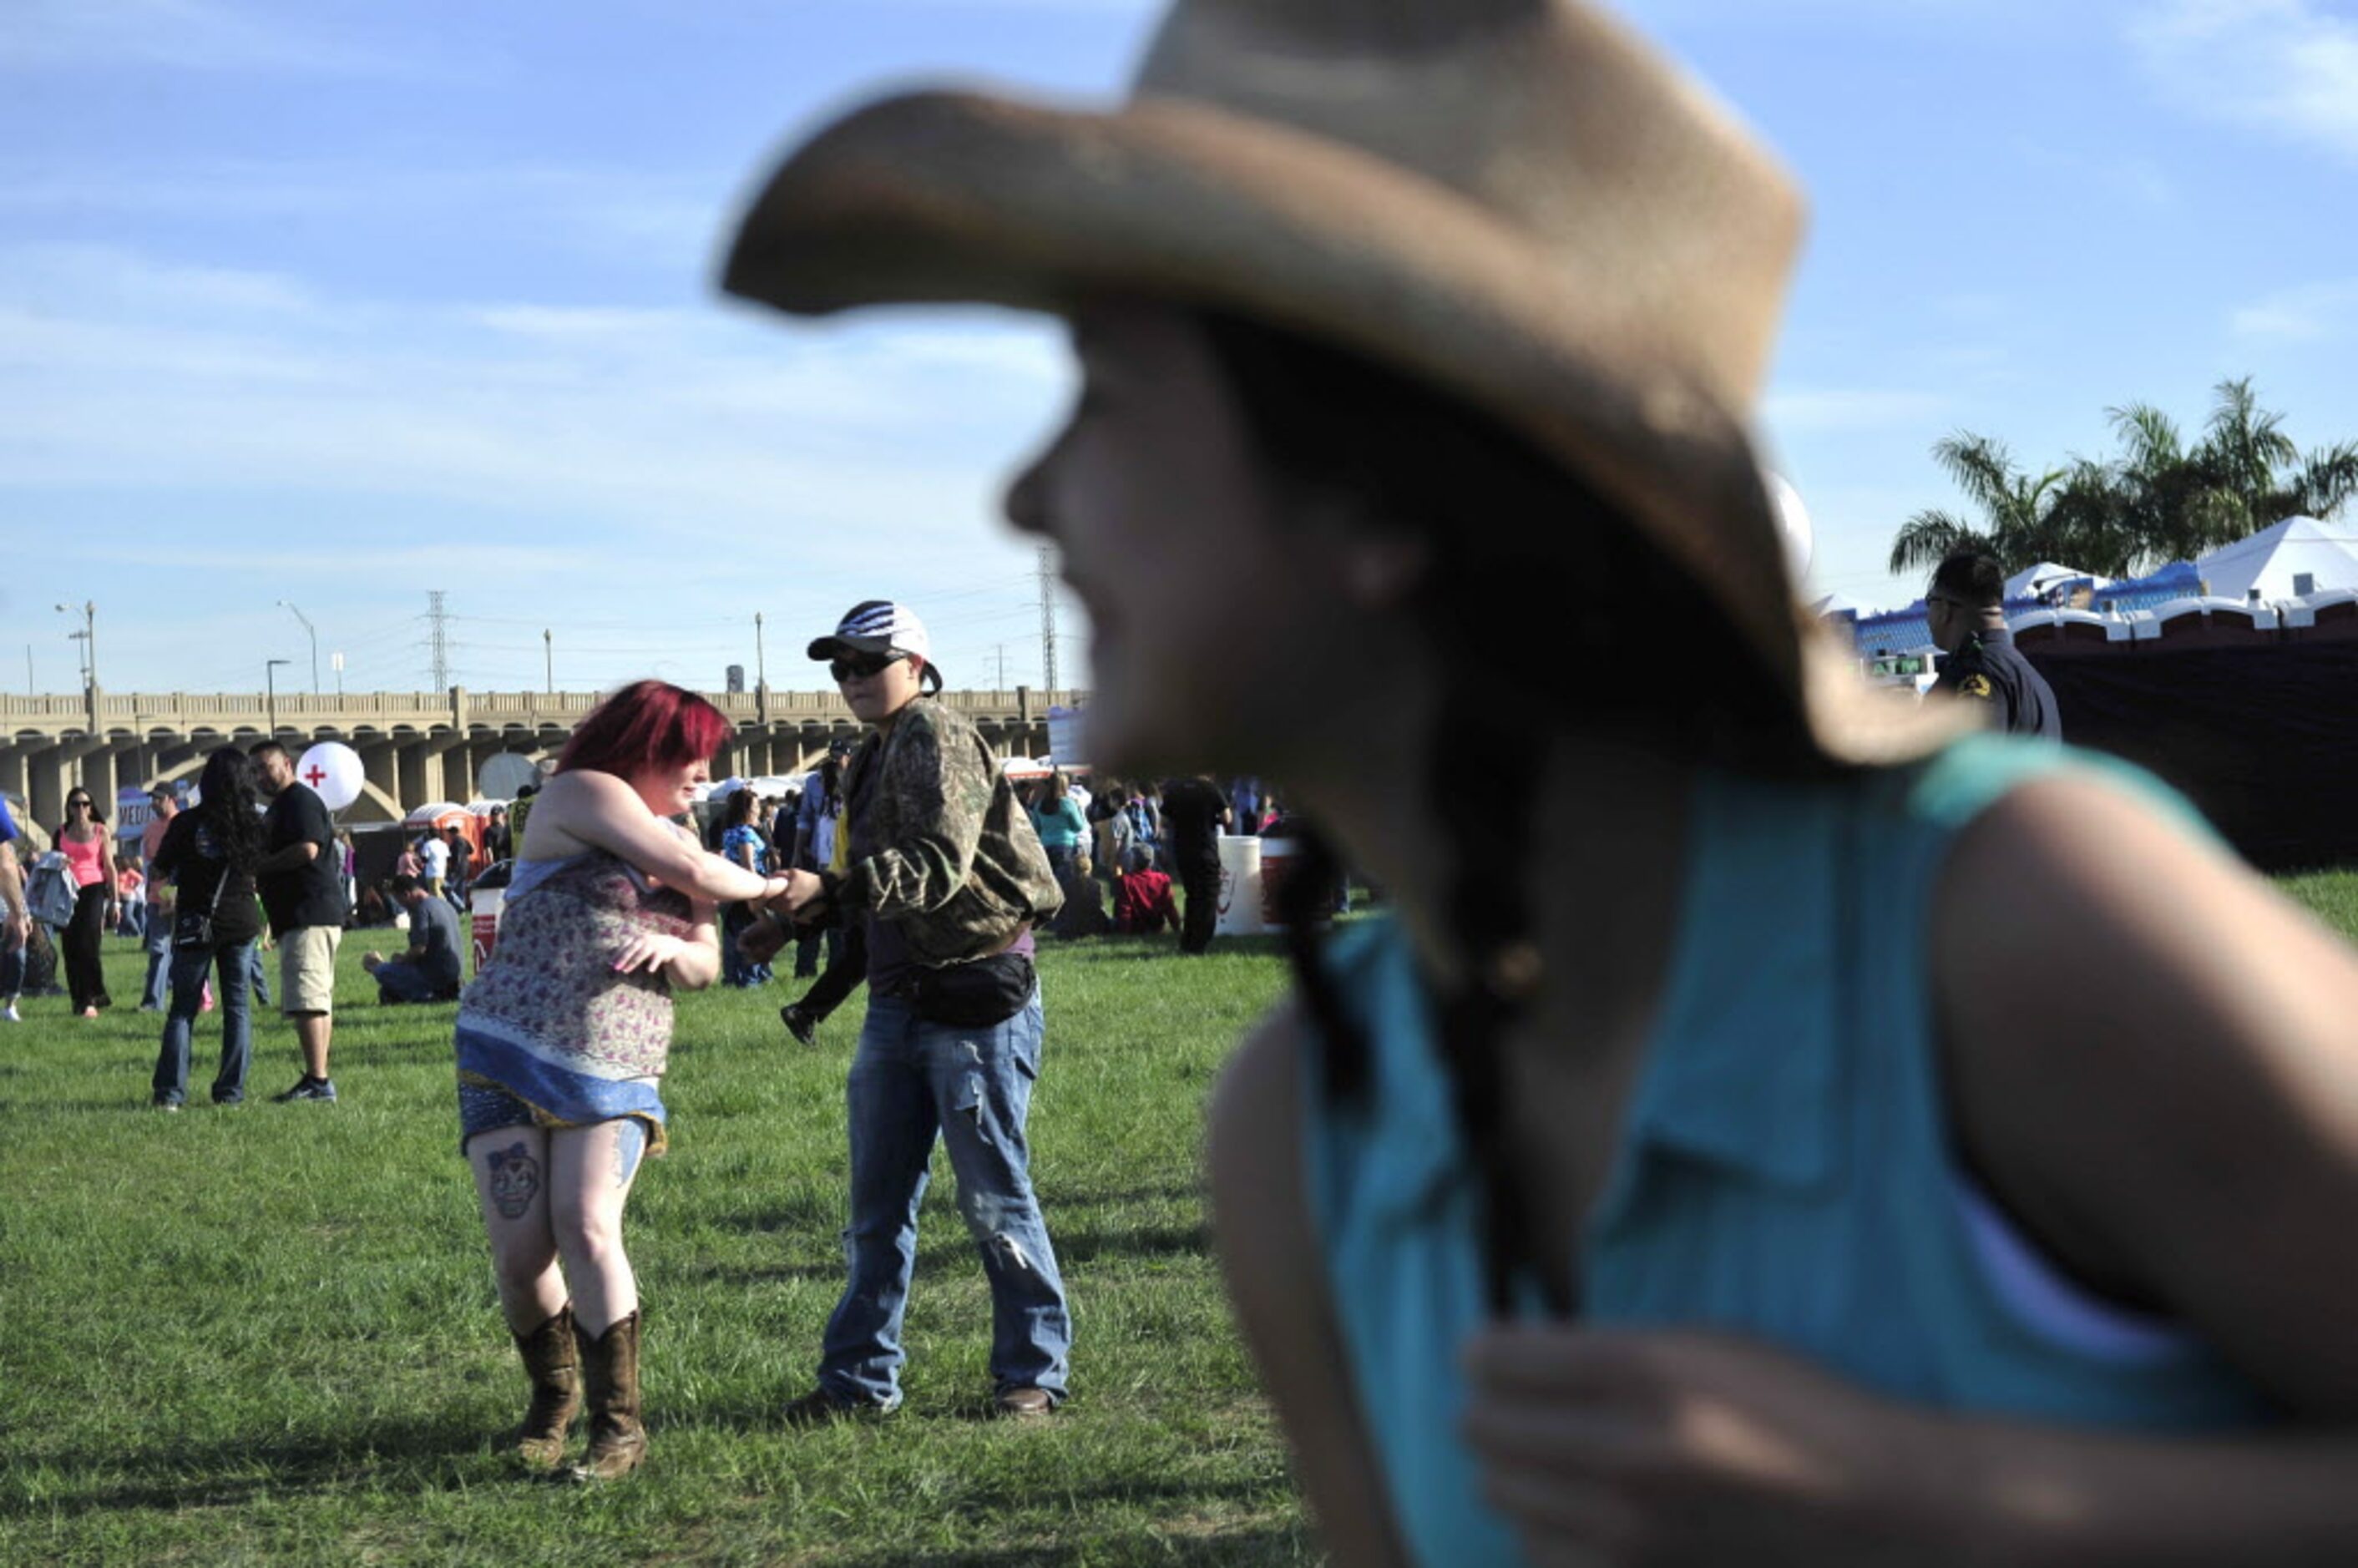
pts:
[484, 1109]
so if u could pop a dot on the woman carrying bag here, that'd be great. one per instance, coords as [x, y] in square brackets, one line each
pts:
[210, 850]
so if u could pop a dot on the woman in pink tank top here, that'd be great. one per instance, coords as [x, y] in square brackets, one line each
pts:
[90, 856]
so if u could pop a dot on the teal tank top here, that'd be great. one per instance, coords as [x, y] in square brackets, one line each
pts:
[1785, 1170]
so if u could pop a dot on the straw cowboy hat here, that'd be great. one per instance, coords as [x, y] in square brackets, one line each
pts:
[1515, 200]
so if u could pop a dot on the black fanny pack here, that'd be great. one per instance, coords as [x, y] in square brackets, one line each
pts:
[979, 995]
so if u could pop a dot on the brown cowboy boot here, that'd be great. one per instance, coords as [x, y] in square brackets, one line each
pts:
[549, 1357]
[610, 1373]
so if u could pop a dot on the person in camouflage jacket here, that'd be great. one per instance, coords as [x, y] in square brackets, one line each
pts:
[941, 864]
[958, 870]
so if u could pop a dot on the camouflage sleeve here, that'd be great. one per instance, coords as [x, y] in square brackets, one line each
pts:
[938, 798]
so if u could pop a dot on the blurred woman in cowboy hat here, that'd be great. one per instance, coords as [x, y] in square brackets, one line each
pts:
[1726, 1153]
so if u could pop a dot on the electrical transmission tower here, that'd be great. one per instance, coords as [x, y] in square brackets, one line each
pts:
[1048, 617]
[435, 616]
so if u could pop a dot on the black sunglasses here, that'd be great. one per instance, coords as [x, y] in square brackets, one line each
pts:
[863, 665]
[76, 800]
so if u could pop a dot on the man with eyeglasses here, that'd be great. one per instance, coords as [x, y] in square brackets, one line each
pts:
[1965, 607]
[940, 861]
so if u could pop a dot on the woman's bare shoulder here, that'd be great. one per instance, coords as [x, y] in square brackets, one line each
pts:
[2147, 1048]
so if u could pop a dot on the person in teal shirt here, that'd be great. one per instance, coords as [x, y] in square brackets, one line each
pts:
[1776, 1124]
[1063, 827]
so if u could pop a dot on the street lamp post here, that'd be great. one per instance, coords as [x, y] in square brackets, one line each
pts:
[270, 687]
[313, 632]
[89, 633]
[548, 660]
[761, 659]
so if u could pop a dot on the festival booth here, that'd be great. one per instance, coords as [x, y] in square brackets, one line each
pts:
[440, 818]
[2330, 615]
[2068, 632]
[2291, 559]
[2206, 620]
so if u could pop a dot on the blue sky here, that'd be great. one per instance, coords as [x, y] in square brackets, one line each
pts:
[340, 303]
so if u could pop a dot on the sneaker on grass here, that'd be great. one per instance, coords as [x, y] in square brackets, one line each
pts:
[309, 1087]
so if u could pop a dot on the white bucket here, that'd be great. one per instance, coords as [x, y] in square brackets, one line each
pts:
[483, 907]
[1239, 887]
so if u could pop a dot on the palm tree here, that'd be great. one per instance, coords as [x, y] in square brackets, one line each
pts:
[2159, 500]
[2063, 514]
[2244, 474]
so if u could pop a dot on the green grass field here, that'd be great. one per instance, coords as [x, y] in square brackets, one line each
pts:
[269, 1334]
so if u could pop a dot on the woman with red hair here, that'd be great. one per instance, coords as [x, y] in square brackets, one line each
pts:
[561, 1046]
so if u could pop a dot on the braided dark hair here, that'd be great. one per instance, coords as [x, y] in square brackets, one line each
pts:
[1500, 596]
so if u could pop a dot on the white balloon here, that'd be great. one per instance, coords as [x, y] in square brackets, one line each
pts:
[1792, 525]
[334, 772]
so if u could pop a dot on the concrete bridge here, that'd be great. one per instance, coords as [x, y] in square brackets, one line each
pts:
[417, 747]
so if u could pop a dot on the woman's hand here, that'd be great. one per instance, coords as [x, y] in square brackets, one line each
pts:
[1675, 1448]
[648, 951]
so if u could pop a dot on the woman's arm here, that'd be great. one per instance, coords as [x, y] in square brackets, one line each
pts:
[2153, 1060]
[593, 810]
[1277, 1286]
[697, 964]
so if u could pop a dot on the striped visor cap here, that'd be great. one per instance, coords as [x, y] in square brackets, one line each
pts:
[875, 626]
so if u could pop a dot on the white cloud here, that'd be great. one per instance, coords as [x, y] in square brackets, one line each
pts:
[1818, 410]
[641, 420]
[2286, 66]
[184, 35]
[2310, 313]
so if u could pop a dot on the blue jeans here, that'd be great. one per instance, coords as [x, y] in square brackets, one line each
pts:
[911, 1082]
[159, 960]
[232, 959]
[399, 981]
[735, 919]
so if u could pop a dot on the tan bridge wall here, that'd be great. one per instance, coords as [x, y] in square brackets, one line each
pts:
[418, 747]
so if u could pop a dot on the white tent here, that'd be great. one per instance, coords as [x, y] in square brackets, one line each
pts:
[2036, 580]
[2299, 556]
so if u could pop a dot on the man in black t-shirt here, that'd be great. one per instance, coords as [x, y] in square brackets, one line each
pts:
[302, 886]
[1194, 812]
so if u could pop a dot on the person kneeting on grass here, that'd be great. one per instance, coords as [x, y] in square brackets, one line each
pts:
[432, 968]
[561, 1045]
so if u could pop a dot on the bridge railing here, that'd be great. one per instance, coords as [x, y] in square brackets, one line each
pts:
[426, 709]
